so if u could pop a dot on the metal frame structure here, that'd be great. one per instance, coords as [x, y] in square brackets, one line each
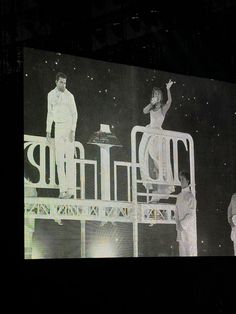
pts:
[131, 210]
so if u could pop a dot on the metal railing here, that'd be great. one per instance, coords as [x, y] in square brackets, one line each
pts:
[46, 155]
[168, 137]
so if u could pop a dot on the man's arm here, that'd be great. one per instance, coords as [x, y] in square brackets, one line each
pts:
[178, 225]
[74, 115]
[49, 118]
[177, 220]
[190, 214]
[229, 214]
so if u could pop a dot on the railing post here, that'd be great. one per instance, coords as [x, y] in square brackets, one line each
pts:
[28, 237]
[134, 191]
[83, 243]
[192, 180]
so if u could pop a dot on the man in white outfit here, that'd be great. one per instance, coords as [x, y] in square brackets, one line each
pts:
[232, 219]
[185, 217]
[62, 110]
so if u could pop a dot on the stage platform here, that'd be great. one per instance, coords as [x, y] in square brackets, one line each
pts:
[100, 210]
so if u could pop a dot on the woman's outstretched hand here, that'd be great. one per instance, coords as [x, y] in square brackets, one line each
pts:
[169, 84]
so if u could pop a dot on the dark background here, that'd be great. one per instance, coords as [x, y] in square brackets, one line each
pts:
[187, 37]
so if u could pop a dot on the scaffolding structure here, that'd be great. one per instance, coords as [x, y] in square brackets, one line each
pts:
[135, 209]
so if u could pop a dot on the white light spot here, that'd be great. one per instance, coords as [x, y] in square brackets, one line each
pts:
[91, 78]
[225, 163]
[56, 62]
[99, 91]
[101, 248]
[46, 61]
[26, 74]
[202, 241]
[105, 90]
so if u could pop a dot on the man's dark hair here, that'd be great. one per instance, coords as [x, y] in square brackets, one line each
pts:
[185, 174]
[60, 75]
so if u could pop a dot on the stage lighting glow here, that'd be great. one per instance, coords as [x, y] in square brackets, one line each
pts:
[102, 248]
[37, 252]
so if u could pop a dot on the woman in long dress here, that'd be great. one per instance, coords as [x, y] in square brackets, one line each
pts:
[149, 154]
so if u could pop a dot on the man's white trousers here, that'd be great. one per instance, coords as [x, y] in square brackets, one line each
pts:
[64, 149]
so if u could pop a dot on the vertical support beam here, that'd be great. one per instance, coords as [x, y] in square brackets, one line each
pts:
[95, 182]
[176, 161]
[192, 181]
[115, 181]
[82, 180]
[168, 162]
[105, 172]
[42, 163]
[52, 167]
[83, 249]
[28, 237]
[135, 236]
[134, 191]
[128, 183]
[160, 162]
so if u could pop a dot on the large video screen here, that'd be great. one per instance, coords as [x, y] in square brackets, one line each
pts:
[125, 161]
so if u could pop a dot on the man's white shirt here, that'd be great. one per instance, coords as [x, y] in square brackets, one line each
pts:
[185, 214]
[61, 109]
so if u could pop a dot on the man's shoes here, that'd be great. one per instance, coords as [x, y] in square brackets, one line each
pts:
[155, 199]
[103, 223]
[66, 195]
[69, 195]
[63, 194]
[59, 222]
